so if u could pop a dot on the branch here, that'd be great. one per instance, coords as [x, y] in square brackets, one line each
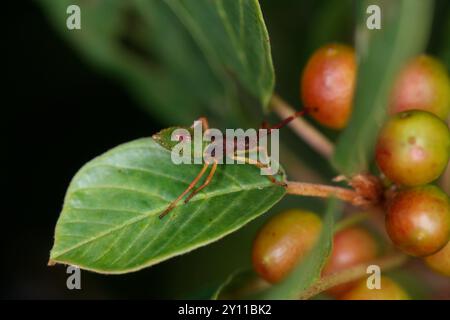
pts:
[324, 191]
[302, 128]
[351, 274]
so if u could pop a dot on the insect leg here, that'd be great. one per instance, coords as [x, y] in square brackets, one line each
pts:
[207, 181]
[259, 165]
[258, 149]
[191, 185]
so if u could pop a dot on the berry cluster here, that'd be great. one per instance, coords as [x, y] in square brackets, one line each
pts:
[328, 83]
[412, 151]
[288, 237]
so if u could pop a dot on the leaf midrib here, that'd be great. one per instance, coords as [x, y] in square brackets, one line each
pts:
[157, 210]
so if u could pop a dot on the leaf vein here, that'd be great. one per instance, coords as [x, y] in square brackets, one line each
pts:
[152, 212]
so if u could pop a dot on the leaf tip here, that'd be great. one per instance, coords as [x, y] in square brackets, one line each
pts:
[51, 263]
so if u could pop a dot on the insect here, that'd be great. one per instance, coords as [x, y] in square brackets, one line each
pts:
[165, 138]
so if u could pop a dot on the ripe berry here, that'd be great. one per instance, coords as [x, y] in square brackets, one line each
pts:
[413, 148]
[283, 241]
[389, 290]
[418, 220]
[440, 261]
[327, 85]
[423, 84]
[351, 247]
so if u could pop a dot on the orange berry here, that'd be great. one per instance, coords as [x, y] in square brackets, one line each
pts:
[440, 261]
[389, 290]
[351, 246]
[327, 85]
[418, 220]
[283, 241]
[424, 85]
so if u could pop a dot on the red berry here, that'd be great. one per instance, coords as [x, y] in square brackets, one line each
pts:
[389, 290]
[351, 246]
[440, 261]
[327, 85]
[413, 148]
[423, 84]
[418, 220]
[283, 242]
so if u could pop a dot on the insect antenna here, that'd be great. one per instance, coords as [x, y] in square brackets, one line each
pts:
[284, 122]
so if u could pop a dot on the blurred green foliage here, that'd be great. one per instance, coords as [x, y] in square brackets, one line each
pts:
[182, 59]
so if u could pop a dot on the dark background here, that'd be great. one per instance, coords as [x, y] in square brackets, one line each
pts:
[64, 113]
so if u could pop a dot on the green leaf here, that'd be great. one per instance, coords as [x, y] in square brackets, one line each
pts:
[179, 57]
[309, 270]
[381, 53]
[109, 222]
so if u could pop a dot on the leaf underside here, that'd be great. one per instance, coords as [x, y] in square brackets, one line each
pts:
[110, 224]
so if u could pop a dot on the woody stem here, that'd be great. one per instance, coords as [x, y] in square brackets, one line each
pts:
[324, 191]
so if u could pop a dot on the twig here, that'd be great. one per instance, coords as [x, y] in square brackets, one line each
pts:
[302, 128]
[351, 274]
[324, 191]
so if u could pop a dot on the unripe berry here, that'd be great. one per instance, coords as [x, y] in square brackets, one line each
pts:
[440, 261]
[351, 247]
[327, 85]
[283, 242]
[423, 84]
[418, 220]
[413, 148]
[389, 290]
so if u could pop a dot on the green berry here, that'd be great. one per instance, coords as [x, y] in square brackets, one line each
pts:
[413, 148]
